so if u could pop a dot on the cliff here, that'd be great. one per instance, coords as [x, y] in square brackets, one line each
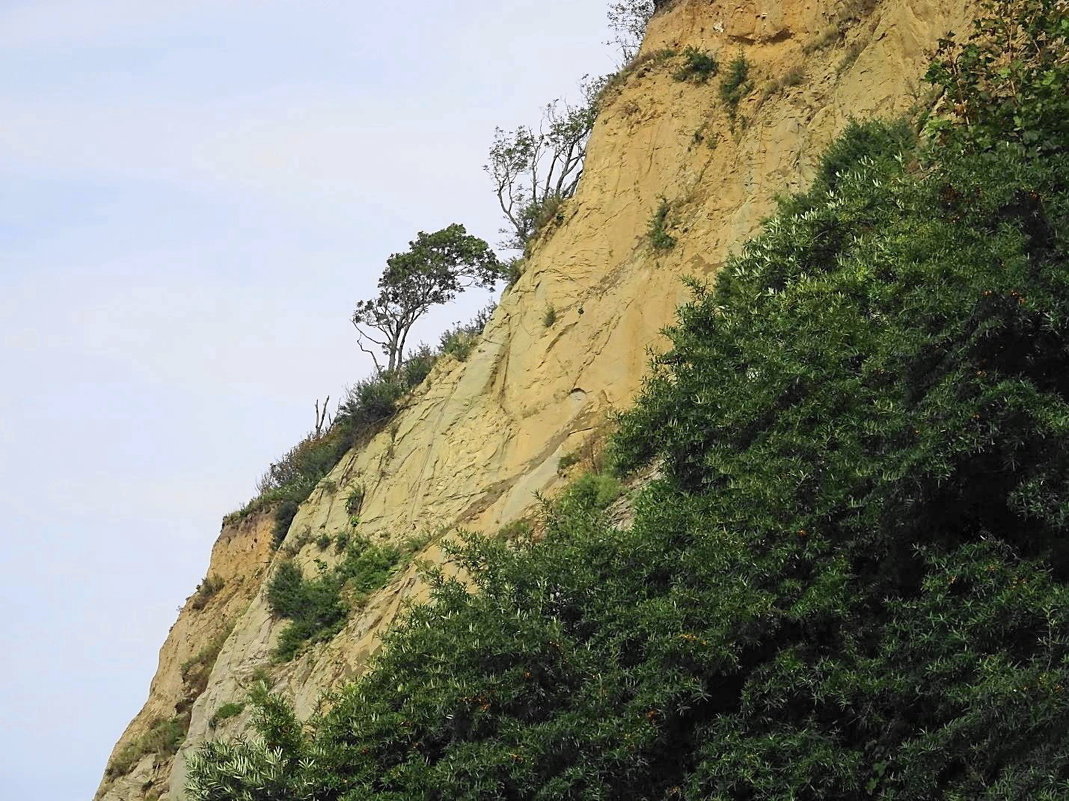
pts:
[478, 440]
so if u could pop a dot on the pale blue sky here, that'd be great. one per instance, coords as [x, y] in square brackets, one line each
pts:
[193, 194]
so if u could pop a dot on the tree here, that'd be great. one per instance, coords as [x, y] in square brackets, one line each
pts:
[627, 21]
[534, 170]
[434, 270]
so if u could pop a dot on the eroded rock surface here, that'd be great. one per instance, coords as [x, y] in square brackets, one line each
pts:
[478, 440]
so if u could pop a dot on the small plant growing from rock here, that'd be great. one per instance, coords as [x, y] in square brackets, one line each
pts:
[206, 590]
[658, 228]
[355, 502]
[735, 84]
[225, 712]
[566, 461]
[698, 67]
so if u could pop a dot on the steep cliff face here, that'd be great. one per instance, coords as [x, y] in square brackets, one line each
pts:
[140, 763]
[478, 440]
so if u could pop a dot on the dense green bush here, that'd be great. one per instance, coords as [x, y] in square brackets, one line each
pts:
[698, 66]
[1007, 80]
[207, 589]
[318, 607]
[657, 231]
[735, 84]
[225, 712]
[852, 580]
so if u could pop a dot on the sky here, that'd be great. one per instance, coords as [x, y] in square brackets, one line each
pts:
[193, 196]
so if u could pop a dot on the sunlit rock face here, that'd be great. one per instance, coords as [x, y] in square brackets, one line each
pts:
[478, 440]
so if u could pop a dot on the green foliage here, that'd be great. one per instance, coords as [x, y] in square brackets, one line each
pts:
[355, 502]
[515, 529]
[460, 340]
[368, 406]
[535, 169]
[567, 461]
[627, 21]
[318, 607]
[417, 366]
[1009, 80]
[657, 232]
[276, 768]
[593, 491]
[513, 270]
[549, 317]
[698, 66]
[163, 739]
[851, 580]
[863, 145]
[196, 670]
[206, 590]
[434, 270]
[735, 84]
[794, 76]
[372, 401]
[225, 712]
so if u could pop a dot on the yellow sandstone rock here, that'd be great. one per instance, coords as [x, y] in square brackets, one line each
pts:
[479, 439]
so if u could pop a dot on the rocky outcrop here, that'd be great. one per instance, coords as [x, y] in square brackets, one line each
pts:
[140, 764]
[478, 440]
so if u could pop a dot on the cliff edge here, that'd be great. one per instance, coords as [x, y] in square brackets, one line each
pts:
[478, 440]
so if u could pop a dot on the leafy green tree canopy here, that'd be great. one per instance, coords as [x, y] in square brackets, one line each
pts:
[434, 270]
[851, 579]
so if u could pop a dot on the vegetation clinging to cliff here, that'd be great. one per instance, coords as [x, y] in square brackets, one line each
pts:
[318, 607]
[852, 581]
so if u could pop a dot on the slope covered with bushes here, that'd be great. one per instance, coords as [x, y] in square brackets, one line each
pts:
[851, 581]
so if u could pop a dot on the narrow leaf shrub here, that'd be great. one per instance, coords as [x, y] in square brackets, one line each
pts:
[698, 67]
[735, 84]
[318, 607]
[657, 232]
[851, 580]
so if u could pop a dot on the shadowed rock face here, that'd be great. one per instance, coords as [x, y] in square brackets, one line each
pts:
[477, 441]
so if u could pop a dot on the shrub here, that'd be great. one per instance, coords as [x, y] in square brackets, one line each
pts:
[1007, 80]
[594, 490]
[515, 530]
[657, 232]
[355, 502]
[851, 579]
[163, 738]
[225, 712]
[372, 400]
[567, 461]
[698, 67]
[735, 84]
[460, 340]
[206, 590]
[317, 608]
[549, 317]
[513, 270]
[795, 76]
[196, 670]
[418, 366]
[370, 403]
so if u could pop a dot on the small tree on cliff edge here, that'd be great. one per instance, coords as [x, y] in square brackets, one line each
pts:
[627, 21]
[534, 169]
[434, 270]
